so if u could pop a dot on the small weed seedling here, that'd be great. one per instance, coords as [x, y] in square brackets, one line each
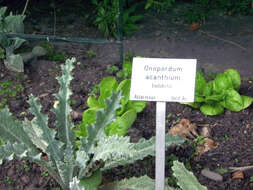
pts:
[112, 69]
[91, 53]
[251, 179]
[222, 170]
[226, 138]
[44, 174]
[8, 91]
[26, 167]
[51, 54]
[8, 180]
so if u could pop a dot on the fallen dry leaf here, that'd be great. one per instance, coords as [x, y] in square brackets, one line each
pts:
[208, 145]
[238, 175]
[184, 129]
[194, 26]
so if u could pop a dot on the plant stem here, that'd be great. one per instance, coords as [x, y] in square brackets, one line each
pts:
[244, 168]
[26, 4]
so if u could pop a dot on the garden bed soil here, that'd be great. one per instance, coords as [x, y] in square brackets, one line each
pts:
[233, 131]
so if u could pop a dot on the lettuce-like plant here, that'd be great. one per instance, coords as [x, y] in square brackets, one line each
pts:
[126, 113]
[73, 167]
[214, 96]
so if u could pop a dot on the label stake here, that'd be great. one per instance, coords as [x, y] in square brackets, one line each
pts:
[160, 145]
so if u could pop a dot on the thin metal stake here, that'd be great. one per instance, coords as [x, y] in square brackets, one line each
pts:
[160, 145]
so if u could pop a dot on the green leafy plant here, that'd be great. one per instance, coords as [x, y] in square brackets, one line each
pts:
[91, 53]
[11, 24]
[51, 54]
[112, 69]
[8, 91]
[198, 11]
[2, 53]
[107, 14]
[222, 170]
[126, 113]
[214, 96]
[231, 7]
[75, 167]
[126, 71]
[159, 5]
[26, 168]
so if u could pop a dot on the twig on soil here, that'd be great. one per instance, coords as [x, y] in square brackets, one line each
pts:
[244, 168]
[227, 41]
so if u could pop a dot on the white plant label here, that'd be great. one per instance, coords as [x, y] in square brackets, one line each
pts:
[165, 80]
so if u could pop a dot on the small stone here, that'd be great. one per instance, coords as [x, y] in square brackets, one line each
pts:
[158, 33]
[211, 175]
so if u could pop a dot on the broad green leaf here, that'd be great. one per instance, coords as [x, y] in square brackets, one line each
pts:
[89, 117]
[208, 89]
[235, 78]
[122, 123]
[124, 87]
[247, 101]
[185, 179]
[75, 184]
[106, 86]
[211, 109]
[92, 102]
[198, 99]
[214, 98]
[92, 182]
[200, 83]
[221, 83]
[127, 67]
[233, 100]
[195, 105]
[138, 106]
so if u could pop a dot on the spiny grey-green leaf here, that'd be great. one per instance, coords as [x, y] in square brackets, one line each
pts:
[63, 109]
[40, 120]
[134, 183]
[143, 149]
[104, 117]
[185, 179]
[11, 129]
[8, 151]
[114, 148]
[34, 132]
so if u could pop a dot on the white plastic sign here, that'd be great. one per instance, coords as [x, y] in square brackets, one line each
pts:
[165, 80]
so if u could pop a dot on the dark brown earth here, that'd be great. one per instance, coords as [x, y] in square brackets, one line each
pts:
[159, 37]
